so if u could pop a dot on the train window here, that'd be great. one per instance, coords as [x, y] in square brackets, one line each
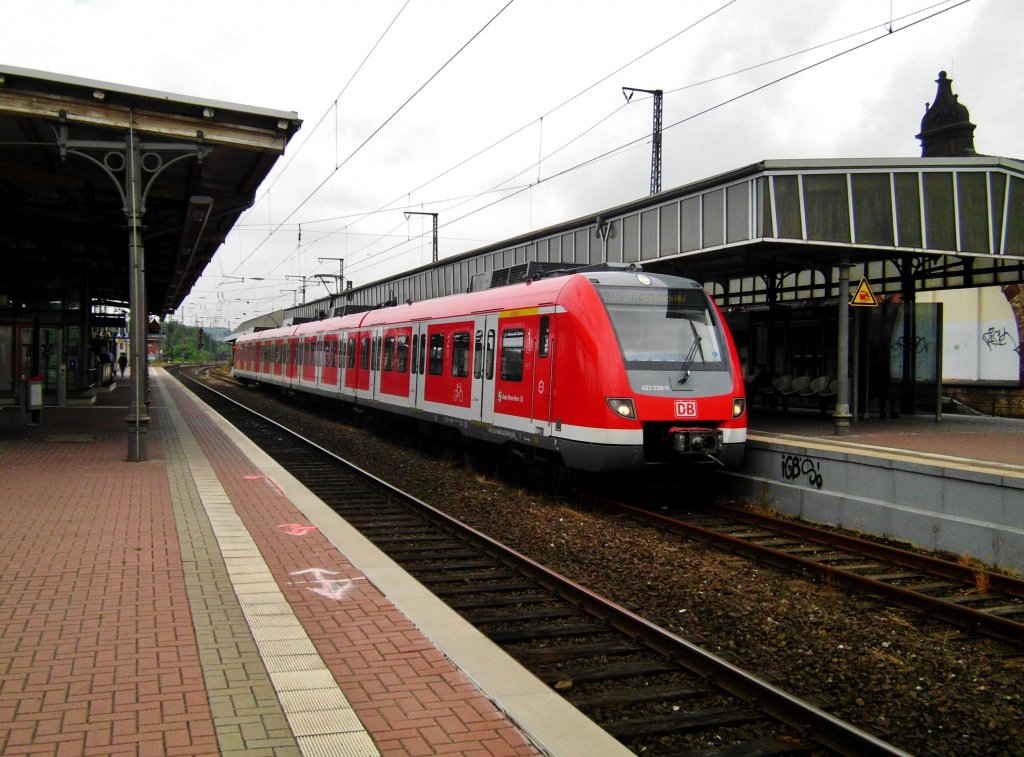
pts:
[389, 354]
[415, 354]
[436, 354]
[350, 352]
[478, 354]
[460, 354]
[423, 353]
[490, 354]
[364, 353]
[545, 336]
[402, 354]
[665, 328]
[512, 354]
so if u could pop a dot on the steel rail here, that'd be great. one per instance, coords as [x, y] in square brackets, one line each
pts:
[996, 626]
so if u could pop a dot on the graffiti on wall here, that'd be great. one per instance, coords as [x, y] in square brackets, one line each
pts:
[795, 466]
[999, 337]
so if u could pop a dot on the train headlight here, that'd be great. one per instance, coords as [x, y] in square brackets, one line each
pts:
[622, 406]
[738, 406]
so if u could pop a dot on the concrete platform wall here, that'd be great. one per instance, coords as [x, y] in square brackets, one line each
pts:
[968, 509]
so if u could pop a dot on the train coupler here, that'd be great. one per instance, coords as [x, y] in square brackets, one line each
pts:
[696, 441]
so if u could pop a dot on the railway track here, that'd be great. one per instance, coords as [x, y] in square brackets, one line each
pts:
[654, 691]
[982, 601]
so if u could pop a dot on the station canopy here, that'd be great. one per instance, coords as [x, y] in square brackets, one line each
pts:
[64, 144]
[774, 231]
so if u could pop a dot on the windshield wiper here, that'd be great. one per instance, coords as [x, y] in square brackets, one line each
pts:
[684, 370]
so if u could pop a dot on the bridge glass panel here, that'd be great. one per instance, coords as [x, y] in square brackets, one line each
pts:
[1015, 218]
[827, 207]
[582, 245]
[542, 251]
[649, 234]
[997, 182]
[940, 231]
[786, 195]
[614, 242]
[872, 208]
[765, 227]
[737, 212]
[668, 237]
[520, 257]
[555, 249]
[972, 199]
[714, 218]
[689, 210]
[908, 210]
[568, 253]
[631, 239]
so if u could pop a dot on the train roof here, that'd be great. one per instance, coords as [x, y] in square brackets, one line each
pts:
[529, 294]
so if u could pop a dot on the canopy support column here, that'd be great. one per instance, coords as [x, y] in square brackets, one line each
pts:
[842, 415]
[133, 165]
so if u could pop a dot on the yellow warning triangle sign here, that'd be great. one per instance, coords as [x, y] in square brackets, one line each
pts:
[864, 296]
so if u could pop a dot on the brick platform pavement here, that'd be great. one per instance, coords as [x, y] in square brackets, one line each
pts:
[183, 605]
[98, 654]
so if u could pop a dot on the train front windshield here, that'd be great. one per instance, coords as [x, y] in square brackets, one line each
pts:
[661, 328]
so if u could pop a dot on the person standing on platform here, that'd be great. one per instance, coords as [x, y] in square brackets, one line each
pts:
[122, 362]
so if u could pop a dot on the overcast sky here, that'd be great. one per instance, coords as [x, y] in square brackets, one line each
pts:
[505, 117]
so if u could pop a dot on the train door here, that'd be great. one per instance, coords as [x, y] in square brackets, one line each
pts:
[513, 382]
[309, 360]
[279, 356]
[329, 361]
[394, 363]
[544, 370]
[357, 374]
[485, 340]
[417, 364]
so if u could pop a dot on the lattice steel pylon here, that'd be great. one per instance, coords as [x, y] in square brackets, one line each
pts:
[655, 133]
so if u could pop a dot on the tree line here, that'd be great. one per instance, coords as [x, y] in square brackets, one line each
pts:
[193, 344]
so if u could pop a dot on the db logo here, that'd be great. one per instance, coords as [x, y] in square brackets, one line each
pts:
[686, 408]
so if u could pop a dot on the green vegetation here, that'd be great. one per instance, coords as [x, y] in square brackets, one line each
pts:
[181, 344]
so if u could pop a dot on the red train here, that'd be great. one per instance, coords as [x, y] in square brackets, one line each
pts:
[609, 369]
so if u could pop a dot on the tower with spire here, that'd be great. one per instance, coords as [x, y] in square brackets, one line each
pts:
[946, 129]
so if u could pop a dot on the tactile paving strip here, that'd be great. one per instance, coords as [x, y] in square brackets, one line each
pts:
[321, 720]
